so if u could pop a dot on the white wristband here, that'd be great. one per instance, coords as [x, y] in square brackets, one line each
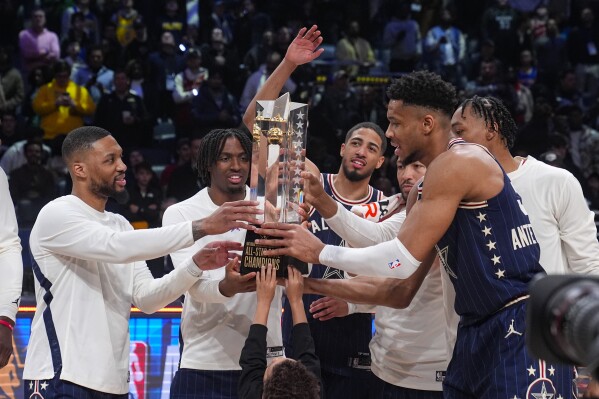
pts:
[388, 259]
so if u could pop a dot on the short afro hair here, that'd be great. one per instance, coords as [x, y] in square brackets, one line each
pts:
[81, 139]
[291, 380]
[496, 116]
[424, 89]
[371, 126]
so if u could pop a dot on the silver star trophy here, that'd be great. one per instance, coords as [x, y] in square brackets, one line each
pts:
[278, 154]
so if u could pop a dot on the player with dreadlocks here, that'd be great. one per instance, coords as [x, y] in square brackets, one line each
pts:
[466, 209]
[563, 224]
[216, 318]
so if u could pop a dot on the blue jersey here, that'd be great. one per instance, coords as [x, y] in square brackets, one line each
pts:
[490, 253]
[341, 343]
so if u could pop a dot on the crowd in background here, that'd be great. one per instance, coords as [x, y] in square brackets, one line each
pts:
[161, 74]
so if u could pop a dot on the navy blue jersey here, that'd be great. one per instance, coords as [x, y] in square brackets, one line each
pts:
[490, 253]
[341, 343]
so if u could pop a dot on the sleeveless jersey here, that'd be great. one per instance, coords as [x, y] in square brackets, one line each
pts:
[342, 343]
[489, 251]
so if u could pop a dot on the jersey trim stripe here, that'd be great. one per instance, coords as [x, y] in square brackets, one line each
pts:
[473, 205]
[346, 201]
[48, 320]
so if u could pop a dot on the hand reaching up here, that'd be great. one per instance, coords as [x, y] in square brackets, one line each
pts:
[303, 48]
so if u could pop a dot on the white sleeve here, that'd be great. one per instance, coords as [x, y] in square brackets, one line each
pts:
[359, 232]
[67, 232]
[150, 294]
[179, 94]
[353, 308]
[388, 259]
[11, 264]
[206, 290]
[577, 228]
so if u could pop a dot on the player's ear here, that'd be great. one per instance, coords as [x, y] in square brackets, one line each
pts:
[342, 150]
[79, 170]
[428, 124]
[492, 132]
[380, 161]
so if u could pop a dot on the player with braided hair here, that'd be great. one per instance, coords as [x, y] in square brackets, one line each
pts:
[466, 209]
[212, 146]
[215, 318]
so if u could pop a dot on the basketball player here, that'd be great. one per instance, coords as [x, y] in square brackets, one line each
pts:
[467, 209]
[11, 270]
[89, 269]
[563, 224]
[341, 343]
[216, 318]
[409, 350]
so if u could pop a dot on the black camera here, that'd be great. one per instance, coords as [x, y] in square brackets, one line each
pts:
[563, 320]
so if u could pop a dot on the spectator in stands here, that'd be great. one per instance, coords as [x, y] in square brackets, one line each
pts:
[111, 46]
[402, 37]
[221, 20]
[558, 155]
[500, 24]
[532, 138]
[583, 46]
[214, 106]
[527, 70]
[338, 109]
[371, 107]
[31, 185]
[353, 51]
[445, 49]
[72, 54]
[182, 156]
[90, 23]
[95, 76]
[78, 33]
[139, 48]
[257, 79]
[256, 55]
[172, 21]
[584, 141]
[567, 93]
[539, 22]
[14, 156]
[184, 182]
[492, 82]
[12, 89]
[485, 53]
[124, 115]
[164, 65]
[10, 130]
[250, 28]
[62, 104]
[552, 55]
[217, 54]
[124, 19]
[187, 86]
[145, 197]
[38, 45]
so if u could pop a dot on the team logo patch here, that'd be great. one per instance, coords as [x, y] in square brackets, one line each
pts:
[394, 264]
[440, 376]
[541, 388]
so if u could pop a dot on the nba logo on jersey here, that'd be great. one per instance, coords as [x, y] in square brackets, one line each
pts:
[137, 370]
[394, 264]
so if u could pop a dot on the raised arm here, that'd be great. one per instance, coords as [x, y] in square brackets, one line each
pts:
[303, 49]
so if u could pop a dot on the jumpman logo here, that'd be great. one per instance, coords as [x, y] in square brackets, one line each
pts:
[512, 330]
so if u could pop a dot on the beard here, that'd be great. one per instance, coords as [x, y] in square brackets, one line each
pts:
[354, 175]
[106, 190]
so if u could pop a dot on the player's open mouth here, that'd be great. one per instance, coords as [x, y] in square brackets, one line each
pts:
[234, 179]
[120, 180]
[358, 163]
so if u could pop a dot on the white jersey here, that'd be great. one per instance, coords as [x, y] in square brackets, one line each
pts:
[89, 270]
[409, 348]
[11, 264]
[214, 327]
[563, 224]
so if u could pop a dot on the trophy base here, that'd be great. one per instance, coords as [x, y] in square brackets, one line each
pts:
[253, 259]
